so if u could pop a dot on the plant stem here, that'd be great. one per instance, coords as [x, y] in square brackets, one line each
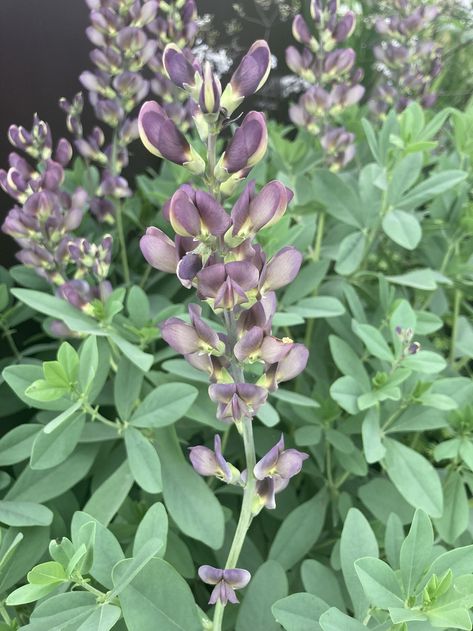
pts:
[246, 513]
[95, 414]
[122, 242]
[9, 338]
[457, 298]
[319, 235]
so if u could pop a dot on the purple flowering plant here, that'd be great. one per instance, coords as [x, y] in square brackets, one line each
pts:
[236, 388]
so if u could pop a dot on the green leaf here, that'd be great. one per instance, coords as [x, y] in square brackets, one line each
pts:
[379, 582]
[358, 540]
[55, 374]
[50, 448]
[158, 598]
[425, 279]
[458, 560]
[142, 360]
[346, 391]
[268, 415]
[393, 540]
[44, 485]
[42, 390]
[68, 357]
[403, 228]
[110, 495]
[320, 580]
[425, 362]
[436, 184]
[165, 405]
[16, 445]
[183, 369]
[19, 378]
[455, 518]
[299, 612]
[153, 524]
[416, 551]
[299, 531]
[350, 253]
[372, 140]
[373, 447]
[404, 175]
[29, 594]
[48, 573]
[143, 460]
[138, 306]
[59, 309]
[24, 514]
[255, 611]
[382, 498]
[318, 307]
[88, 362]
[335, 620]
[64, 611]
[189, 501]
[347, 361]
[102, 619]
[61, 419]
[414, 477]
[294, 398]
[373, 340]
[127, 387]
[107, 550]
[125, 571]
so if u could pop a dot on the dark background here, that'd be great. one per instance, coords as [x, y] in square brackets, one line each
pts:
[43, 49]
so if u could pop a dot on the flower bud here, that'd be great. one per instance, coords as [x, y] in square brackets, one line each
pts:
[199, 215]
[281, 269]
[178, 68]
[302, 34]
[210, 92]
[159, 250]
[246, 148]
[163, 139]
[249, 77]
[225, 285]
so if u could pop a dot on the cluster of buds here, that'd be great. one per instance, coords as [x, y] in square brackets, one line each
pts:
[408, 347]
[409, 59]
[45, 215]
[176, 22]
[215, 252]
[334, 83]
[116, 87]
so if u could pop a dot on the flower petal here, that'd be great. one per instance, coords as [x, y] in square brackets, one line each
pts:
[210, 575]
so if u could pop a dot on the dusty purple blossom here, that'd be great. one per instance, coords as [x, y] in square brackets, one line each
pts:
[162, 138]
[225, 581]
[212, 463]
[330, 69]
[237, 401]
[279, 461]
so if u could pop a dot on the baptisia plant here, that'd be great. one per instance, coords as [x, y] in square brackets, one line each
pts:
[329, 70]
[217, 254]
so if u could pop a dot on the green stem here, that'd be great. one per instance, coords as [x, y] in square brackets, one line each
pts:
[246, 514]
[457, 298]
[122, 242]
[95, 415]
[9, 338]
[319, 235]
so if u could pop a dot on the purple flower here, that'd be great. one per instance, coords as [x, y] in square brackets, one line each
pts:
[212, 463]
[159, 250]
[237, 401]
[291, 365]
[285, 463]
[178, 67]
[245, 149]
[301, 32]
[225, 285]
[163, 139]
[225, 581]
[266, 492]
[197, 214]
[196, 337]
[281, 269]
[249, 77]
[253, 212]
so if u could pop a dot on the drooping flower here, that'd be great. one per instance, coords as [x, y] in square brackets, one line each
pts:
[225, 581]
[281, 462]
[212, 463]
[237, 401]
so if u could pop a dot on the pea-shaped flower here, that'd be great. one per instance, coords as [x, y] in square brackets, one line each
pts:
[237, 400]
[249, 77]
[281, 269]
[197, 214]
[159, 250]
[225, 581]
[280, 462]
[178, 67]
[225, 285]
[212, 463]
[162, 138]
[196, 337]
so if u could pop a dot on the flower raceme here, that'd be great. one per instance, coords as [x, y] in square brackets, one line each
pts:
[215, 252]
